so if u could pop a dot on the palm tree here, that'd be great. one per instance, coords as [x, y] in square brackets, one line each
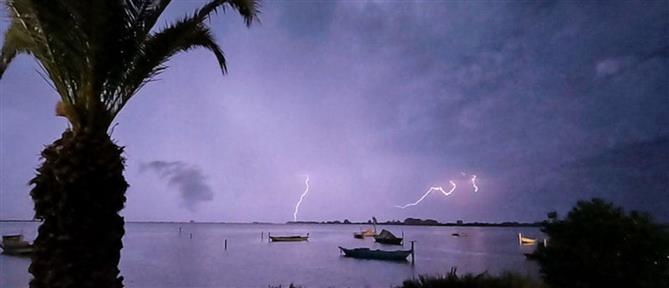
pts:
[96, 54]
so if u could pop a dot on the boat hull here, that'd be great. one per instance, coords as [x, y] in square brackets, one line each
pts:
[288, 238]
[394, 241]
[366, 253]
[27, 250]
[526, 240]
[15, 245]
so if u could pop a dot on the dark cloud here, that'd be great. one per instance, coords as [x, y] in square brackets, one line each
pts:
[377, 101]
[188, 180]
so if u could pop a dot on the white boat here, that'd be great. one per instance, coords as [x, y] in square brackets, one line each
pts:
[522, 240]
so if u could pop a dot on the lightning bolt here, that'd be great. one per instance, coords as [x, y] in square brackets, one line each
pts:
[472, 180]
[297, 206]
[433, 188]
[476, 187]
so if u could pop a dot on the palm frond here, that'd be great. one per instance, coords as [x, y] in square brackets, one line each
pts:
[16, 42]
[183, 35]
[99, 53]
[249, 9]
[159, 48]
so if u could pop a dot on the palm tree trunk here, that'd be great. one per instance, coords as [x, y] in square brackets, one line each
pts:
[78, 192]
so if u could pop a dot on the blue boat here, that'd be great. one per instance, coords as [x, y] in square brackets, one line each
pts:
[366, 253]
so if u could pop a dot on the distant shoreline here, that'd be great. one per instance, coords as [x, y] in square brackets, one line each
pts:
[397, 223]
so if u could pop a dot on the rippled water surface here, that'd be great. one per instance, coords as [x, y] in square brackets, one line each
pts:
[156, 255]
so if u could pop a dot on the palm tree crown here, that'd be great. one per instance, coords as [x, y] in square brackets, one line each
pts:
[98, 53]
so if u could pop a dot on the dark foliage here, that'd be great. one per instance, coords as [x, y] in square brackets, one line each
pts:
[452, 280]
[599, 245]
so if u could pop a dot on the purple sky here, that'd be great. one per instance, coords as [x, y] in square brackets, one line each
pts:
[377, 101]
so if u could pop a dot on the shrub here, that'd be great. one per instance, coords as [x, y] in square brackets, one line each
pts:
[598, 245]
[452, 280]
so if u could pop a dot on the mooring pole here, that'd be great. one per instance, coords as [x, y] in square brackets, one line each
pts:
[226, 244]
[262, 234]
[413, 255]
[190, 235]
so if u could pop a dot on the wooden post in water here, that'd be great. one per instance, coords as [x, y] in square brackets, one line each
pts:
[190, 235]
[226, 244]
[413, 255]
[268, 239]
[262, 234]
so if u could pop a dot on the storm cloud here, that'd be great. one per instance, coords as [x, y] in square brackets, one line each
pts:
[188, 180]
[378, 101]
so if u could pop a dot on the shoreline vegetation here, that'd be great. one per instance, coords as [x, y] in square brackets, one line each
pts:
[427, 222]
[466, 280]
[406, 222]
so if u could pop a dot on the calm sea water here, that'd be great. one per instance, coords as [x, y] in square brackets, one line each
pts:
[156, 255]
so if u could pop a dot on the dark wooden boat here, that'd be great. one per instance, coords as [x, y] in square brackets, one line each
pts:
[366, 253]
[385, 237]
[288, 238]
[15, 245]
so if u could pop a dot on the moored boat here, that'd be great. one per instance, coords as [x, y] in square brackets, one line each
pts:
[363, 234]
[366, 253]
[385, 237]
[522, 240]
[291, 238]
[15, 245]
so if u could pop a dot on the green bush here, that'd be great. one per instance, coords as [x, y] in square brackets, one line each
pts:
[452, 280]
[599, 245]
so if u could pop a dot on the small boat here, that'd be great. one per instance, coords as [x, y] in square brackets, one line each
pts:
[456, 234]
[291, 238]
[366, 253]
[522, 240]
[15, 245]
[363, 234]
[385, 237]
